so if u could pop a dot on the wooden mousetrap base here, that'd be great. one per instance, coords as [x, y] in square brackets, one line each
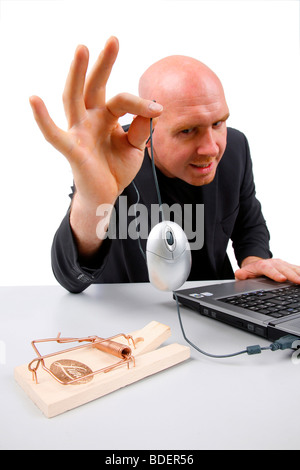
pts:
[54, 398]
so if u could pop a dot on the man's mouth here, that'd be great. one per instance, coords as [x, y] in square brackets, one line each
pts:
[204, 165]
[202, 168]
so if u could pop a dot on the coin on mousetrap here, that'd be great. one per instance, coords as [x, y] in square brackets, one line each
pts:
[71, 372]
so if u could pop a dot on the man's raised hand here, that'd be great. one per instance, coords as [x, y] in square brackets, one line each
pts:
[104, 159]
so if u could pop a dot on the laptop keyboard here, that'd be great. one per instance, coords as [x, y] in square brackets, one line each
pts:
[276, 303]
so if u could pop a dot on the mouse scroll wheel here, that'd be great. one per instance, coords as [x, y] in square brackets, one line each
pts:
[170, 238]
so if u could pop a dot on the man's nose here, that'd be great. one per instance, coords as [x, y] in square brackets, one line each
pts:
[207, 144]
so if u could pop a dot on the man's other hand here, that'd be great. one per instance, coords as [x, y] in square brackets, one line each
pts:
[275, 269]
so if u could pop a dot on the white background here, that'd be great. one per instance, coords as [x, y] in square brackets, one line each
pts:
[252, 45]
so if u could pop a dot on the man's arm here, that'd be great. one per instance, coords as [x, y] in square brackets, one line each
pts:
[251, 237]
[84, 222]
[104, 159]
[73, 268]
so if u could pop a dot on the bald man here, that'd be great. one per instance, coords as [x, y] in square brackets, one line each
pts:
[198, 159]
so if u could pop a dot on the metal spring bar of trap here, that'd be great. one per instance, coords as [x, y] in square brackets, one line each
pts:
[106, 345]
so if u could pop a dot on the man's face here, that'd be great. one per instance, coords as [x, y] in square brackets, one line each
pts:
[190, 137]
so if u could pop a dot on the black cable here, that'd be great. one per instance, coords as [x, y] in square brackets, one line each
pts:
[249, 350]
[154, 171]
[135, 206]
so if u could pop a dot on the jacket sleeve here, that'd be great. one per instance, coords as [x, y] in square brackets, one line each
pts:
[250, 236]
[66, 266]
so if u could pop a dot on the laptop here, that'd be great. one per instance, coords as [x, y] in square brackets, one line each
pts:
[260, 306]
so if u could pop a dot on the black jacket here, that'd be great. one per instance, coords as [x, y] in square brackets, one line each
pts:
[231, 212]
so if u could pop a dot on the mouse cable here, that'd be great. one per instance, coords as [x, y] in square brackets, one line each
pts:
[249, 350]
[154, 171]
[155, 182]
[285, 342]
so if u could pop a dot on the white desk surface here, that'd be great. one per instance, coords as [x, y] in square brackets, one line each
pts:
[246, 402]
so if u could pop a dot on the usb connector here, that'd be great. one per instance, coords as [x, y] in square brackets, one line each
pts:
[285, 342]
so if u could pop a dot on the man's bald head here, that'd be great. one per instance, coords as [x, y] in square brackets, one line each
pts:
[175, 77]
[190, 135]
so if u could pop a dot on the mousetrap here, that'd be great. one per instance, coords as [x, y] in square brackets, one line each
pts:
[94, 367]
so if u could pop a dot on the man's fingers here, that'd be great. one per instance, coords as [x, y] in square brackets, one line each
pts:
[95, 87]
[279, 270]
[275, 269]
[53, 134]
[290, 273]
[241, 274]
[139, 131]
[73, 93]
[251, 273]
[125, 103]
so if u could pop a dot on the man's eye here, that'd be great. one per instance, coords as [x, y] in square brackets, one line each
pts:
[187, 131]
[217, 124]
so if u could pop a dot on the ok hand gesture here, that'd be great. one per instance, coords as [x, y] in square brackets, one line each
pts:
[104, 159]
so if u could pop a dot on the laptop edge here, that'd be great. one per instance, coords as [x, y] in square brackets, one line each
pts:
[207, 301]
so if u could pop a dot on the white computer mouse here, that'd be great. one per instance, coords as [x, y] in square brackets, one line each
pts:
[168, 256]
